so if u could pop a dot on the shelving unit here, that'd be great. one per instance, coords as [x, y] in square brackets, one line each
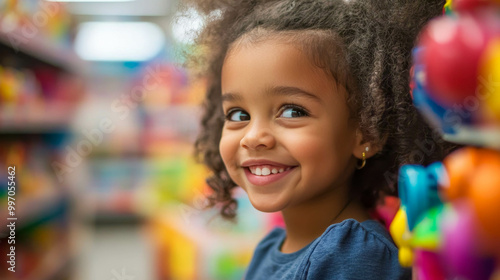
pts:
[39, 48]
[39, 92]
[44, 208]
[159, 131]
[27, 122]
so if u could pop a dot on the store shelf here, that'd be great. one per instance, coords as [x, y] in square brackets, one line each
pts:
[34, 121]
[38, 47]
[124, 154]
[107, 219]
[33, 127]
[34, 210]
[120, 203]
[41, 87]
[56, 263]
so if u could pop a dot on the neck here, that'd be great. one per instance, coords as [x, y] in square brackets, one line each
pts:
[306, 222]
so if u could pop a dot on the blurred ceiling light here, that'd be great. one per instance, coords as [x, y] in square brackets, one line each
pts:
[89, 0]
[122, 8]
[119, 41]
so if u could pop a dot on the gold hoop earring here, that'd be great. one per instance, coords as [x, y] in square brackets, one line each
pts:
[363, 160]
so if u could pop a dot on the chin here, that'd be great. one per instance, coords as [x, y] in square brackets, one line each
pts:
[267, 203]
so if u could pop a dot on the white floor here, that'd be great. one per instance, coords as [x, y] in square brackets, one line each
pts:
[117, 253]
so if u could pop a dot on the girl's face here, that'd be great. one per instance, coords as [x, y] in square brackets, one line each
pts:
[287, 139]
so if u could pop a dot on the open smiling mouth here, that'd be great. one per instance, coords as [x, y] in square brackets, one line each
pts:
[265, 174]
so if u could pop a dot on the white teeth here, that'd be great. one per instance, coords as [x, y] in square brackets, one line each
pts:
[264, 171]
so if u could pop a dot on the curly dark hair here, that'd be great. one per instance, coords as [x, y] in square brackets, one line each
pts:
[365, 44]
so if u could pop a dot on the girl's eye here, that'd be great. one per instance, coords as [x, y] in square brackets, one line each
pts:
[293, 111]
[237, 116]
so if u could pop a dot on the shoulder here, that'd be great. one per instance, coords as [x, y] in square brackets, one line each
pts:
[262, 259]
[354, 250]
[369, 233]
[277, 235]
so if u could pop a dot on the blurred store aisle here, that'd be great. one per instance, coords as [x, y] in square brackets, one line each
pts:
[99, 121]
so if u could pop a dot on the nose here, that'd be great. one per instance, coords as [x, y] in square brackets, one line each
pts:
[258, 136]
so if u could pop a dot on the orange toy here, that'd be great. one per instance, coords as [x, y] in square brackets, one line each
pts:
[474, 175]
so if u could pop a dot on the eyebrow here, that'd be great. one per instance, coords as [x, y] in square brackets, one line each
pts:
[276, 91]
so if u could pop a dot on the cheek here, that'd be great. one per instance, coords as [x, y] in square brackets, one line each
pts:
[322, 152]
[314, 150]
[228, 147]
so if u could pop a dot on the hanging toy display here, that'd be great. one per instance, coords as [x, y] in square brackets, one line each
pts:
[457, 73]
[448, 224]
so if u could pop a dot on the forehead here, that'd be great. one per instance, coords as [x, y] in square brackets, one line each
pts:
[271, 63]
[272, 52]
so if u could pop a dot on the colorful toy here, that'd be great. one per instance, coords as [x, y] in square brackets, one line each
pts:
[402, 236]
[474, 177]
[448, 225]
[460, 243]
[452, 61]
[437, 114]
[456, 73]
[490, 68]
[470, 5]
[428, 266]
[417, 190]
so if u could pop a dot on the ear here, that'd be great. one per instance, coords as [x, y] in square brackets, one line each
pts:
[369, 148]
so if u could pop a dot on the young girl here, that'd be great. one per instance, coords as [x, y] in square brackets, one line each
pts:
[309, 111]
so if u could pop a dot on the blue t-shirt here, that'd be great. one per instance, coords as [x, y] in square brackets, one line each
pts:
[347, 250]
